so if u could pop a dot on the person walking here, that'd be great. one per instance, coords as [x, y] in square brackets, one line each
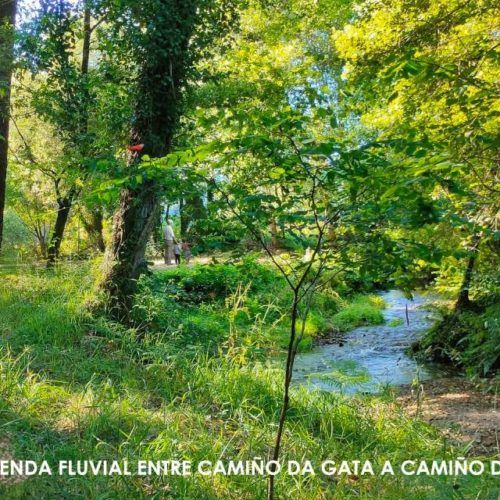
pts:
[186, 249]
[169, 242]
[177, 252]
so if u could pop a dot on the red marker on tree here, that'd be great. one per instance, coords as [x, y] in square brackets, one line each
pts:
[135, 147]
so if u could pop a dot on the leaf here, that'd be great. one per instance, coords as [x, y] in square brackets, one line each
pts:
[277, 172]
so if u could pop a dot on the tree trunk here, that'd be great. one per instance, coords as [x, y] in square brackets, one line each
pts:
[463, 299]
[183, 216]
[292, 349]
[211, 187]
[64, 208]
[132, 225]
[161, 76]
[87, 32]
[64, 204]
[94, 228]
[97, 230]
[158, 237]
[274, 235]
[192, 210]
[7, 17]
[41, 232]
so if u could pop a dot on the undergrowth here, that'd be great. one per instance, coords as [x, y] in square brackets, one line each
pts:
[190, 382]
[469, 340]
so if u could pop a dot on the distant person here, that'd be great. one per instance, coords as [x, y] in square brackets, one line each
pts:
[186, 250]
[308, 255]
[177, 252]
[169, 242]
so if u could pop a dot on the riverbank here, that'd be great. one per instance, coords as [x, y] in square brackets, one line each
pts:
[466, 413]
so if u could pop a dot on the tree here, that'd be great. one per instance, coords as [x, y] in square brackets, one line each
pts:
[164, 37]
[30, 199]
[276, 58]
[7, 23]
[65, 201]
[312, 188]
[77, 88]
[427, 74]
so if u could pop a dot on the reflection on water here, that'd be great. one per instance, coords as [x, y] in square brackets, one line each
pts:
[371, 356]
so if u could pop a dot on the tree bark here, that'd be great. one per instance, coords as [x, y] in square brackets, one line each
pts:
[94, 228]
[41, 236]
[274, 235]
[158, 237]
[192, 210]
[292, 349]
[156, 118]
[97, 226]
[133, 223]
[183, 216]
[7, 18]
[64, 208]
[86, 43]
[463, 300]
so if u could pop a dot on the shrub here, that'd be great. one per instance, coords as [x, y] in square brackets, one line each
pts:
[470, 340]
[211, 282]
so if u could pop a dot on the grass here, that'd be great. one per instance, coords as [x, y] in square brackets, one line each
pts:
[362, 310]
[191, 382]
[395, 322]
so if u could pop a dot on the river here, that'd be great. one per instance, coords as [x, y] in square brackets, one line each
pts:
[370, 357]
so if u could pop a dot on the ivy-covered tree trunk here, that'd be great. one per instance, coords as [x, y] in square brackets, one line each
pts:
[133, 223]
[463, 300]
[7, 21]
[170, 25]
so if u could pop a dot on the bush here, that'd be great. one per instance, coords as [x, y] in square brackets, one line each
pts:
[17, 238]
[211, 282]
[470, 340]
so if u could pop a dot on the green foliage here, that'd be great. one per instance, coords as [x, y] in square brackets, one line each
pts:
[16, 234]
[362, 310]
[421, 77]
[210, 282]
[375, 123]
[470, 340]
[245, 303]
[76, 385]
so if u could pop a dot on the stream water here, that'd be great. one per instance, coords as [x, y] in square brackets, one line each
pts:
[370, 357]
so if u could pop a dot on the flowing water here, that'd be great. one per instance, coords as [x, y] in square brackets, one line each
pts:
[370, 357]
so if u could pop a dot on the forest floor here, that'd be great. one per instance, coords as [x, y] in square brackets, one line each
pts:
[159, 264]
[466, 413]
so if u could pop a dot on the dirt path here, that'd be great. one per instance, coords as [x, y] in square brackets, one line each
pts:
[465, 413]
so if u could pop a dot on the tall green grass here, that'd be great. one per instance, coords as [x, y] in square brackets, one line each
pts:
[359, 311]
[76, 386]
